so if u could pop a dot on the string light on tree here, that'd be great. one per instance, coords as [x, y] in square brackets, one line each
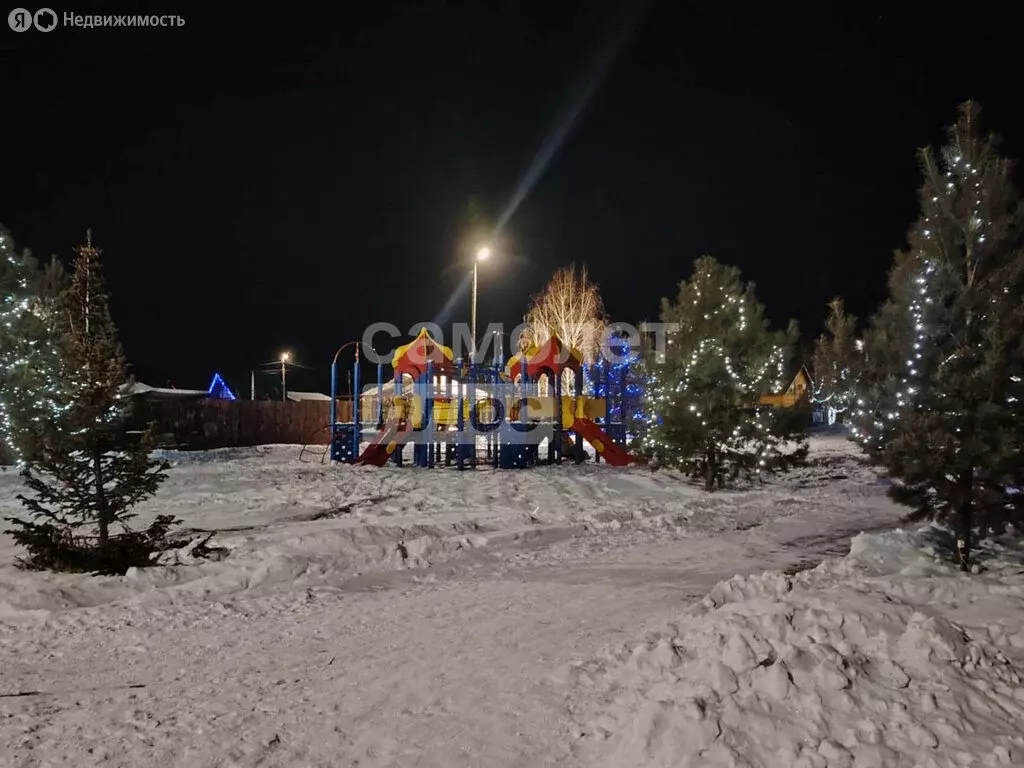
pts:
[938, 399]
[29, 357]
[704, 411]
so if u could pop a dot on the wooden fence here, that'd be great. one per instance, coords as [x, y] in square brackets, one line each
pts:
[201, 423]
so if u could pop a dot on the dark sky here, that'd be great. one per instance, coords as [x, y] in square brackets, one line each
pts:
[277, 179]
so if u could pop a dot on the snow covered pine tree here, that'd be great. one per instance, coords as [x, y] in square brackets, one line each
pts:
[940, 405]
[87, 471]
[836, 362]
[29, 355]
[703, 399]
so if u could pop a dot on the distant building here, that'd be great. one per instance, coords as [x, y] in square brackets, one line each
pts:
[218, 390]
[798, 391]
[138, 389]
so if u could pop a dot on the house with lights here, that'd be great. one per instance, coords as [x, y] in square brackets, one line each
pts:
[798, 391]
[218, 390]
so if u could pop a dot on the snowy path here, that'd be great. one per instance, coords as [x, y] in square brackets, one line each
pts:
[465, 663]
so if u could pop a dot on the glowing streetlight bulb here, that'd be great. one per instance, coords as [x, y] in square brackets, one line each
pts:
[285, 357]
[483, 253]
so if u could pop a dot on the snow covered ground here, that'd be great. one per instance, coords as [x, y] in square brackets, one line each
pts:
[403, 617]
[884, 658]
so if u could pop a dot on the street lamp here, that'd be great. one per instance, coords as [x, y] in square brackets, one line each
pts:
[285, 357]
[481, 255]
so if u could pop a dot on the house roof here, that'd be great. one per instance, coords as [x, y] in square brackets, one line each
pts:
[138, 388]
[802, 369]
[218, 389]
[298, 396]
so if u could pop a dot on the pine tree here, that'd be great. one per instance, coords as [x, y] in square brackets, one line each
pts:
[879, 378]
[835, 362]
[941, 408]
[29, 353]
[88, 472]
[703, 399]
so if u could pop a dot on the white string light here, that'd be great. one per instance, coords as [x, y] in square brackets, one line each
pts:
[28, 356]
[726, 312]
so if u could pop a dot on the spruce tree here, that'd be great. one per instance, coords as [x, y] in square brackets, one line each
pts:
[835, 362]
[941, 409]
[703, 399]
[88, 471]
[880, 377]
[29, 353]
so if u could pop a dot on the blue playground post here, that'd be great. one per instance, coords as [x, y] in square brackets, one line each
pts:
[578, 447]
[600, 376]
[472, 410]
[428, 416]
[525, 391]
[448, 399]
[357, 432]
[496, 432]
[419, 453]
[343, 447]
[428, 413]
[334, 400]
[396, 457]
[460, 426]
[556, 433]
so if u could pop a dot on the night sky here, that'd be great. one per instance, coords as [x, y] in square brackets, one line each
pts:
[279, 179]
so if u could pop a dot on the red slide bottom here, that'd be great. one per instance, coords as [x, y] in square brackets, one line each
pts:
[614, 454]
[377, 453]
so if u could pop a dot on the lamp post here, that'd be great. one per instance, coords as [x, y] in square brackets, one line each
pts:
[499, 342]
[284, 386]
[481, 254]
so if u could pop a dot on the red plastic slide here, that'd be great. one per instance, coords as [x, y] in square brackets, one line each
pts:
[377, 453]
[614, 454]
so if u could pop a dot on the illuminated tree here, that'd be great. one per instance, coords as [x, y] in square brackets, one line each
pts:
[571, 306]
[620, 380]
[29, 354]
[941, 408]
[836, 360]
[703, 409]
[86, 471]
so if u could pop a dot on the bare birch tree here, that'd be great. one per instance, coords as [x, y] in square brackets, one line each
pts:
[570, 306]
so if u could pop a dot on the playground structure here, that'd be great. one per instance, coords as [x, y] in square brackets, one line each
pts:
[460, 413]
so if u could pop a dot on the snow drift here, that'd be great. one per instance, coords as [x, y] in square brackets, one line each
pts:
[887, 657]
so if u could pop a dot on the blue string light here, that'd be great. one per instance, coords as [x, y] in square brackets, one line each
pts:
[219, 389]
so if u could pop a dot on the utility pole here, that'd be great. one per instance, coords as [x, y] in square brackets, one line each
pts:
[481, 255]
[472, 318]
[284, 375]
